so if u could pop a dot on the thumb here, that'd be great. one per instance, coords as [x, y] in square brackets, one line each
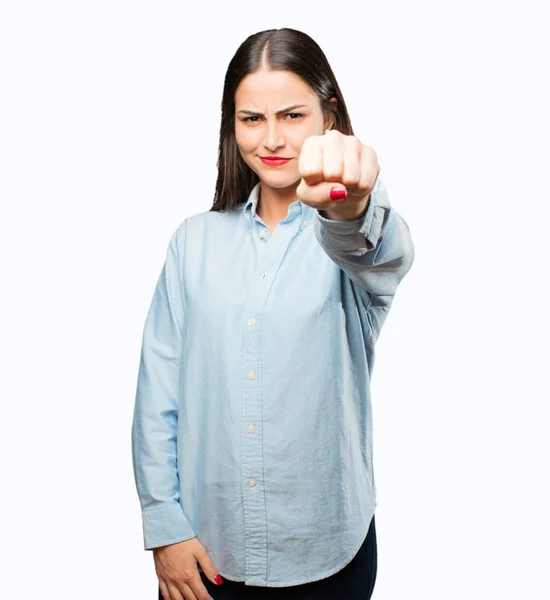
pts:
[208, 567]
[337, 192]
[321, 193]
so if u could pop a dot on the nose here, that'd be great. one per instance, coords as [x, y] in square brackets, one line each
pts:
[273, 139]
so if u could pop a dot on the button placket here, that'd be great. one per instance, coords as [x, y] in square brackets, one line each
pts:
[269, 258]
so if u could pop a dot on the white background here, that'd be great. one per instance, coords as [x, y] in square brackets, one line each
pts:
[109, 122]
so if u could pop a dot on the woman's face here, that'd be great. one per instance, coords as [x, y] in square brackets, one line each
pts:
[261, 132]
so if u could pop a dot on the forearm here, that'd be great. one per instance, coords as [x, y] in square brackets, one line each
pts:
[374, 249]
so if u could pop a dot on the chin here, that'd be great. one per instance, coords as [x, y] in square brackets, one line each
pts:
[280, 178]
[280, 183]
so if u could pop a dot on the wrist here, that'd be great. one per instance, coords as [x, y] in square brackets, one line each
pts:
[348, 212]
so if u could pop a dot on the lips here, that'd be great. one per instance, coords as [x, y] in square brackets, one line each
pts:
[274, 162]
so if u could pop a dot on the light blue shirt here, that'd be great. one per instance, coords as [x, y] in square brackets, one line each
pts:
[252, 426]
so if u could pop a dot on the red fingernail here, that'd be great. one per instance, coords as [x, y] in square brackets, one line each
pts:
[218, 580]
[338, 193]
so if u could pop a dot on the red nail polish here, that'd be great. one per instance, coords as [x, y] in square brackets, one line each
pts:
[218, 580]
[338, 194]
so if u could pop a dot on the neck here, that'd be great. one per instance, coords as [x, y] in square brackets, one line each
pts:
[273, 202]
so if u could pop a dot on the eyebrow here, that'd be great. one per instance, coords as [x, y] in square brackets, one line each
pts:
[279, 112]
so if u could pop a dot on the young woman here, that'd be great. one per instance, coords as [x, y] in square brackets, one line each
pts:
[252, 429]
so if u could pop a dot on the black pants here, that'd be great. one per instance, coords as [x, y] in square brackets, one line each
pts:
[354, 582]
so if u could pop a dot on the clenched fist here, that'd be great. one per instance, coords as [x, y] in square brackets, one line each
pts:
[335, 160]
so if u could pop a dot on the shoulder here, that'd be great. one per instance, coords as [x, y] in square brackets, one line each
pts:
[199, 224]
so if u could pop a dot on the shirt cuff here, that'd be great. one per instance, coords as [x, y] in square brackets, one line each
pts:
[358, 235]
[166, 524]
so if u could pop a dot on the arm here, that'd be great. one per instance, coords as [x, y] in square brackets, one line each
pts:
[154, 427]
[375, 249]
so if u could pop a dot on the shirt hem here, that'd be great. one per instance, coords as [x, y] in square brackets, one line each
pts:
[333, 571]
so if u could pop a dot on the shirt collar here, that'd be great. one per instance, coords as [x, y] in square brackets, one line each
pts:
[296, 209]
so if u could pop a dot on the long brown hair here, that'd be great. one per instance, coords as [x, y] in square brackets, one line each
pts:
[282, 49]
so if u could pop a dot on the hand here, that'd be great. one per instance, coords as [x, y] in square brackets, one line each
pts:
[176, 567]
[335, 159]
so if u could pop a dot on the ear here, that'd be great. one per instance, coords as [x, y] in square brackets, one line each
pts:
[329, 121]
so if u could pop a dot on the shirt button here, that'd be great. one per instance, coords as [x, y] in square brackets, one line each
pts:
[262, 233]
[251, 375]
[252, 322]
[264, 274]
[305, 223]
[252, 482]
[251, 429]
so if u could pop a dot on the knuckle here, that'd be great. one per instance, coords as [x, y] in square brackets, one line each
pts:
[309, 172]
[332, 174]
[186, 575]
[351, 179]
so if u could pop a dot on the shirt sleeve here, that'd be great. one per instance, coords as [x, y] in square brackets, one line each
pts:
[155, 418]
[375, 250]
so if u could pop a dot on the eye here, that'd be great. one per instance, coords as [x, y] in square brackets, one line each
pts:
[249, 119]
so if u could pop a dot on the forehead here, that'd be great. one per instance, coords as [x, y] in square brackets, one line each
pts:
[273, 89]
